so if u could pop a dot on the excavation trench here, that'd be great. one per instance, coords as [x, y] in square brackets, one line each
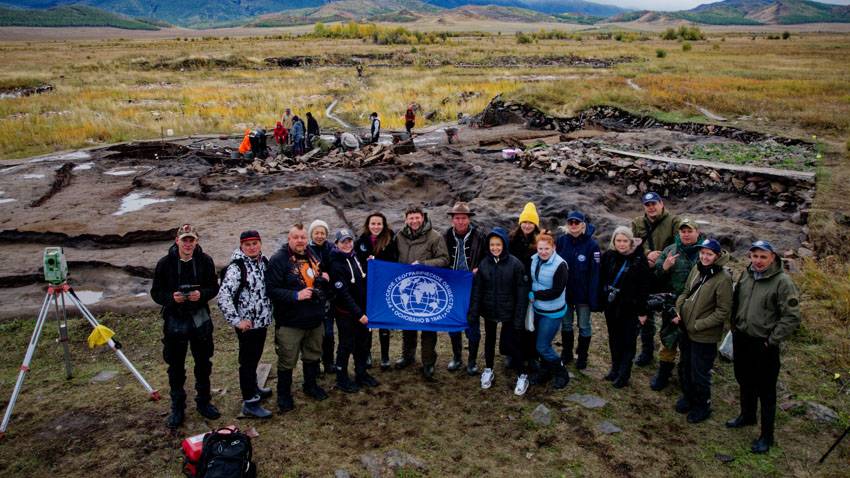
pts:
[118, 215]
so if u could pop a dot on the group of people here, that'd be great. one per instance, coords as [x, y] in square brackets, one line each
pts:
[291, 130]
[532, 282]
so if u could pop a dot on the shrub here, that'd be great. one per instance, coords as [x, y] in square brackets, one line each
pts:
[687, 46]
[786, 35]
[523, 39]
[659, 53]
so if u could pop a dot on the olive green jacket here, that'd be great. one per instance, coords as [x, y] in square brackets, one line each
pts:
[767, 307]
[663, 231]
[705, 304]
[676, 277]
[425, 246]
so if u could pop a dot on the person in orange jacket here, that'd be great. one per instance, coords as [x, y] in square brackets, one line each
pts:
[245, 147]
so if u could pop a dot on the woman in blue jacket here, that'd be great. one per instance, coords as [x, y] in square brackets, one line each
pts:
[583, 257]
[548, 294]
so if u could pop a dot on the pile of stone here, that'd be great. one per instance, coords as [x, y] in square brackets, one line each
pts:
[609, 118]
[369, 155]
[584, 160]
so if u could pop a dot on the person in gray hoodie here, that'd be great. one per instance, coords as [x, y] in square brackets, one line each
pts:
[247, 308]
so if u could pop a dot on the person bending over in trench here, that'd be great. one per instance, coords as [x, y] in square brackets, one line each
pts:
[377, 241]
[624, 281]
[183, 282]
[656, 229]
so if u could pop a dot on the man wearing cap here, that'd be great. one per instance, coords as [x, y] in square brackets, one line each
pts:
[466, 244]
[419, 243]
[583, 257]
[704, 308]
[671, 271]
[766, 312]
[247, 308]
[657, 228]
[297, 287]
[348, 277]
[184, 281]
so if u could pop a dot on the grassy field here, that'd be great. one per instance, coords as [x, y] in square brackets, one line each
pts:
[76, 428]
[109, 91]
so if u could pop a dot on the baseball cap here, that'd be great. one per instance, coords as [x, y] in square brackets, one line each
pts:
[576, 216]
[763, 245]
[688, 222]
[343, 234]
[650, 197]
[186, 230]
[712, 245]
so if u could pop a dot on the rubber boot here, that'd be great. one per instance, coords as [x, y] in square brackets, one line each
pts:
[457, 350]
[567, 340]
[284, 391]
[328, 354]
[562, 376]
[582, 350]
[662, 377]
[472, 364]
[310, 387]
[647, 341]
[344, 383]
[178, 412]
[543, 375]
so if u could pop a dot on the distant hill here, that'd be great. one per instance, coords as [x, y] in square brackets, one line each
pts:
[748, 12]
[550, 7]
[497, 13]
[349, 10]
[72, 16]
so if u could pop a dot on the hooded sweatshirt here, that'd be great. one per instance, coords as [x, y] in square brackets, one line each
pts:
[348, 277]
[500, 288]
[705, 304]
[252, 303]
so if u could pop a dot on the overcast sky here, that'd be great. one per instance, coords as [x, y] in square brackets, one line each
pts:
[677, 4]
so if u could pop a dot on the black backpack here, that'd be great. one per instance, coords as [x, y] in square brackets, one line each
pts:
[227, 454]
[243, 277]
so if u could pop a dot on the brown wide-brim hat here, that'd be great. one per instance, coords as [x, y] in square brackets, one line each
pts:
[461, 208]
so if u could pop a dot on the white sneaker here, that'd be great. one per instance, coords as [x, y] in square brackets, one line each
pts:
[487, 378]
[521, 385]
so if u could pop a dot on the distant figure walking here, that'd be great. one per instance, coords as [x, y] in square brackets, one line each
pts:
[409, 120]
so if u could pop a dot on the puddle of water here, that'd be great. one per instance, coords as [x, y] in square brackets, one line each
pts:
[89, 297]
[33, 176]
[141, 294]
[121, 172]
[136, 202]
[76, 155]
[7, 200]
[83, 167]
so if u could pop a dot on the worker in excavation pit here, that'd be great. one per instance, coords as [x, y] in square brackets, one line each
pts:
[409, 120]
[183, 282]
[766, 312]
[657, 229]
[374, 127]
[671, 271]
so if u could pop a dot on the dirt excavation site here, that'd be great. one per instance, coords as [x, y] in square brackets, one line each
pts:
[115, 209]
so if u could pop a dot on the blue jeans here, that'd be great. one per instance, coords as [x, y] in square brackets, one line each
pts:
[547, 328]
[583, 313]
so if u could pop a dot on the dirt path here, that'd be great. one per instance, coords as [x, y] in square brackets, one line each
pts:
[329, 114]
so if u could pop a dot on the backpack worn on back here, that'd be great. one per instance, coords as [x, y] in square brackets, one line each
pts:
[227, 454]
[243, 277]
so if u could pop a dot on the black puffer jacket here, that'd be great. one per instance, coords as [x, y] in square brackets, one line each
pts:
[522, 247]
[363, 248]
[283, 281]
[348, 278]
[633, 284]
[500, 288]
[199, 272]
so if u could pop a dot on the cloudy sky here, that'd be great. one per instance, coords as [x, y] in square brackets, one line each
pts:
[676, 4]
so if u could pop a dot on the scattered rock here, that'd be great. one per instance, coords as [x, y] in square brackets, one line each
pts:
[542, 415]
[104, 376]
[587, 401]
[820, 413]
[805, 252]
[341, 474]
[631, 190]
[724, 458]
[608, 428]
[390, 463]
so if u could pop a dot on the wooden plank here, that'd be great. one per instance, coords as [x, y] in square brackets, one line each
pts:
[777, 173]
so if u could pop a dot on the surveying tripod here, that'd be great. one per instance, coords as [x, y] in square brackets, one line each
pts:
[58, 292]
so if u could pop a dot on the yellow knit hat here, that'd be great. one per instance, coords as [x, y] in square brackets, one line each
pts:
[529, 214]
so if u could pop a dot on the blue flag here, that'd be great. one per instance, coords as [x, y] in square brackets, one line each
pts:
[407, 297]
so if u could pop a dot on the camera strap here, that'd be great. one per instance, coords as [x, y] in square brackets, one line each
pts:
[623, 269]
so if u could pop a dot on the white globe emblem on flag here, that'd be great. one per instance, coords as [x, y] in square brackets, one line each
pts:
[419, 297]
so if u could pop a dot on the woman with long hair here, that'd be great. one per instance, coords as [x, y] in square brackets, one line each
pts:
[376, 242]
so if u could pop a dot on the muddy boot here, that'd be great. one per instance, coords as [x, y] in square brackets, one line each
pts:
[344, 383]
[472, 365]
[284, 391]
[456, 362]
[252, 408]
[582, 350]
[310, 387]
[567, 340]
[647, 343]
[543, 374]
[178, 412]
[562, 376]
[662, 377]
